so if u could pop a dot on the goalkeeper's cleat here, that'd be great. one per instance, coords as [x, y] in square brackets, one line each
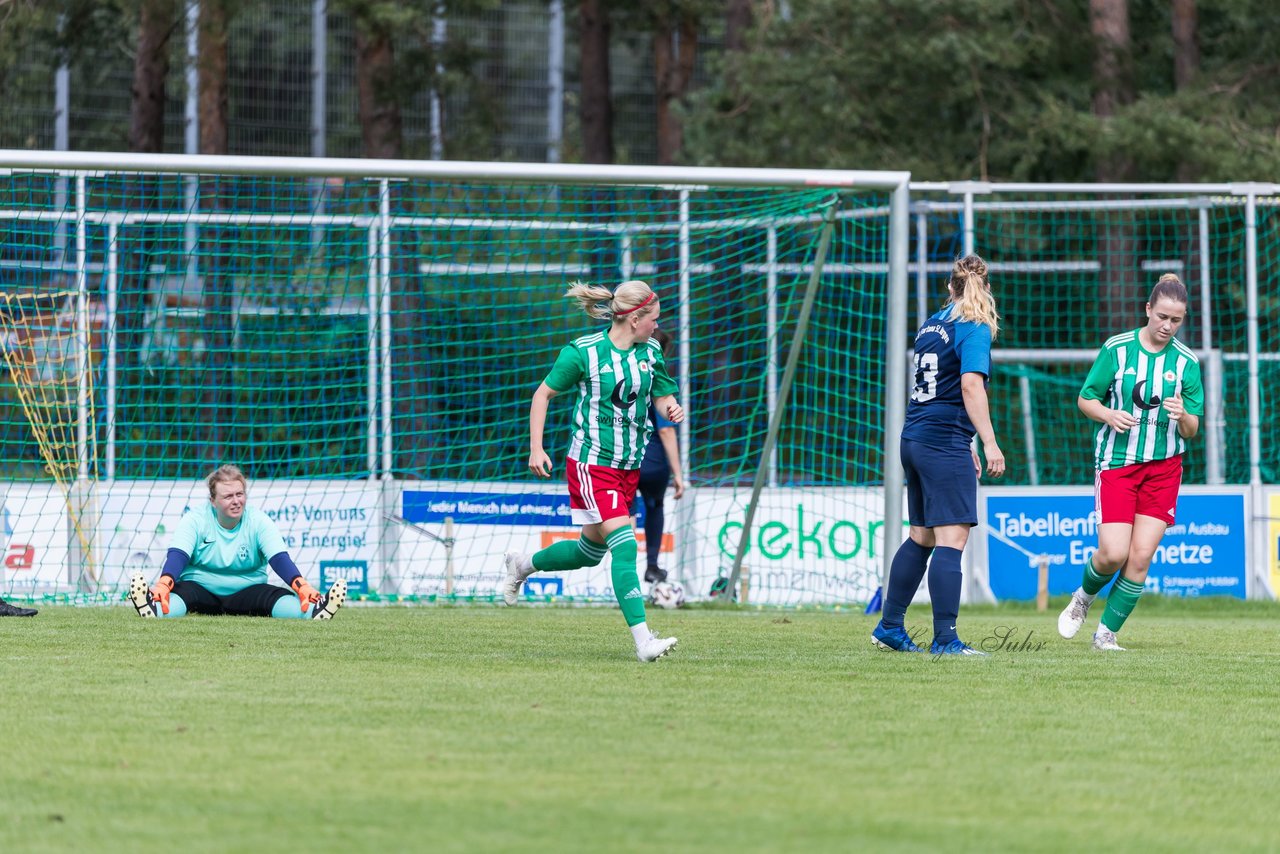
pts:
[332, 601]
[515, 577]
[1105, 640]
[140, 596]
[955, 647]
[896, 640]
[7, 610]
[654, 648]
[1073, 617]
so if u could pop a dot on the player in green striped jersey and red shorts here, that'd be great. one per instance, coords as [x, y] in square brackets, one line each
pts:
[1144, 390]
[615, 372]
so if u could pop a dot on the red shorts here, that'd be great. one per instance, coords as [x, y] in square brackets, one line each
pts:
[1141, 489]
[597, 493]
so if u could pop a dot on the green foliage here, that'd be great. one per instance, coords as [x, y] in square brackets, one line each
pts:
[991, 89]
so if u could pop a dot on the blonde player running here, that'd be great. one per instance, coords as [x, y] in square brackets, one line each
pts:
[1145, 392]
[615, 372]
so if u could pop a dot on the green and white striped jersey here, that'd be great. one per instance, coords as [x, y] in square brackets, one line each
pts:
[611, 416]
[1131, 378]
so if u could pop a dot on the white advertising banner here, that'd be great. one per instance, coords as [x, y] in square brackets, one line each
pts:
[806, 546]
[442, 538]
[329, 527]
[36, 534]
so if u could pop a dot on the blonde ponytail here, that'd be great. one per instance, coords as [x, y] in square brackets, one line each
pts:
[971, 297]
[603, 304]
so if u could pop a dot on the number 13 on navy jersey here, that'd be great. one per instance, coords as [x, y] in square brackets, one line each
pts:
[946, 349]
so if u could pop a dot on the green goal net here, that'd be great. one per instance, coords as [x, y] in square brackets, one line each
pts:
[365, 350]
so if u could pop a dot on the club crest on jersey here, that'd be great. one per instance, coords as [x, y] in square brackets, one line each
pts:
[644, 366]
[1170, 376]
[242, 554]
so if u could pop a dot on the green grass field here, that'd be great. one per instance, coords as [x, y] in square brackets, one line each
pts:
[486, 729]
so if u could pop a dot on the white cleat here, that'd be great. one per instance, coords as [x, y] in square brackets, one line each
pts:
[1105, 640]
[140, 596]
[1073, 617]
[515, 577]
[654, 648]
[333, 600]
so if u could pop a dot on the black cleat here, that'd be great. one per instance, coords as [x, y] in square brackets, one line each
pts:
[7, 610]
[332, 601]
[653, 575]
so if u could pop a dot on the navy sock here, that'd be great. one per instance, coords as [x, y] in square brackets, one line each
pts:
[909, 564]
[653, 524]
[944, 592]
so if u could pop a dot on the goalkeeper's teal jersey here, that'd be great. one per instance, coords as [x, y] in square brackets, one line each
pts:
[1131, 378]
[224, 561]
[611, 416]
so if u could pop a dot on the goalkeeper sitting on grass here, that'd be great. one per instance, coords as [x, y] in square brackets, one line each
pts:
[217, 564]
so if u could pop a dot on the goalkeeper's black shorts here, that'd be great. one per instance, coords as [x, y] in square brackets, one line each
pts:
[256, 600]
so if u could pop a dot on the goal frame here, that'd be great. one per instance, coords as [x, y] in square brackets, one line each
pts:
[74, 167]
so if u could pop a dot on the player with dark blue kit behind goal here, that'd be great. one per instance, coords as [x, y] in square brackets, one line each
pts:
[948, 405]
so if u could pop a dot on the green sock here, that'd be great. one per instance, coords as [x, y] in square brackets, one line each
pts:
[626, 583]
[568, 554]
[1093, 581]
[1120, 604]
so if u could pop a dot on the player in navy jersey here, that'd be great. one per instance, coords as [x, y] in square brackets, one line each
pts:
[659, 469]
[948, 406]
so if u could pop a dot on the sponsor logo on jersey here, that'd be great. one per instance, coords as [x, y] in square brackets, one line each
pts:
[1138, 400]
[622, 400]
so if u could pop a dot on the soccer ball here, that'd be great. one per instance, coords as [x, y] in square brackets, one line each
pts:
[667, 594]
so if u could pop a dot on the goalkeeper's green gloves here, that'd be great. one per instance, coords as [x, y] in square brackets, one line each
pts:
[160, 592]
[307, 595]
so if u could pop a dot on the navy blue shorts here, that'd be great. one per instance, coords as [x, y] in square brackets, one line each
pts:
[942, 486]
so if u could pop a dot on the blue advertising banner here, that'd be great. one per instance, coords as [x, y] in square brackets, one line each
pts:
[1203, 554]
[356, 573]
[487, 508]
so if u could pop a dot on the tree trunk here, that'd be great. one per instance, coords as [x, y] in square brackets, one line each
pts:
[597, 103]
[1186, 60]
[150, 66]
[382, 138]
[738, 18]
[1186, 43]
[219, 286]
[380, 121]
[136, 246]
[212, 76]
[1112, 81]
[1112, 90]
[674, 54]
